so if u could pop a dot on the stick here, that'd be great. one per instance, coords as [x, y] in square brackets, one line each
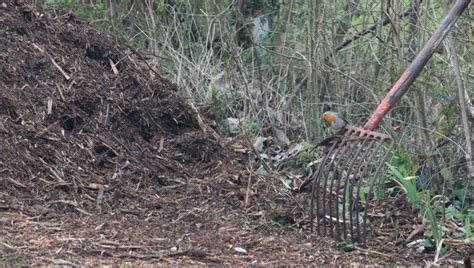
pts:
[114, 68]
[247, 193]
[358, 35]
[43, 51]
[388, 256]
[66, 76]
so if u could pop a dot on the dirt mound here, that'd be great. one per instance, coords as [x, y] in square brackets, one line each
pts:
[80, 117]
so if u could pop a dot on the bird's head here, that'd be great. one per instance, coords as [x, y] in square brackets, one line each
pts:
[330, 117]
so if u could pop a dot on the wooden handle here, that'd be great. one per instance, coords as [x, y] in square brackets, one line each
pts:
[415, 68]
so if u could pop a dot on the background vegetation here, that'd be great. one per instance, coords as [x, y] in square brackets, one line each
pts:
[279, 64]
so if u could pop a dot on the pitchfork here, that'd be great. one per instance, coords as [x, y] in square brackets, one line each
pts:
[356, 155]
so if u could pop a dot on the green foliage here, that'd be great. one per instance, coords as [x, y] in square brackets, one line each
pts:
[458, 194]
[95, 13]
[432, 209]
[435, 225]
[420, 200]
[254, 129]
[408, 184]
[403, 161]
[346, 246]
[217, 106]
[307, 154]
[468, 228]
[401, 169]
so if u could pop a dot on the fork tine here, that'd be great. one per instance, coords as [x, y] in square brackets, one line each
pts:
[372, 181]
[344, 168]
[330, 173]
[354, 201]
[355, 162]
[340, 155]
[316, 184]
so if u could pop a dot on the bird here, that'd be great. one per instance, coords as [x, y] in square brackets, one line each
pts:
[336, 121]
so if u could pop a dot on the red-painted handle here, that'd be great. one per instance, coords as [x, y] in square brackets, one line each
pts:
[415, 68]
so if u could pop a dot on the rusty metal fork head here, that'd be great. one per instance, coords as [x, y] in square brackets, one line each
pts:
[350, 167]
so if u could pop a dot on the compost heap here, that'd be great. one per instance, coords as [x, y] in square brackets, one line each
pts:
[84, 122]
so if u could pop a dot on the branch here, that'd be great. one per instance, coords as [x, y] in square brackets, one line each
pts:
[340, 46]
[358, 35]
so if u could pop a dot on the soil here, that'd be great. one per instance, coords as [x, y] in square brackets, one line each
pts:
[103, 162]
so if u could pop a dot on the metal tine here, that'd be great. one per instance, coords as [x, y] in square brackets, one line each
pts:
[316, 184]
[372, 181]
[330, 173]
[347, 155]
[355, 162]
[370, 151]
[339, 167]
[357, 142]
[356, 203]
[321, 174]
[349, 181]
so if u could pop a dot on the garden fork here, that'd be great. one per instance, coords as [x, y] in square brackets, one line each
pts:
[343, 183]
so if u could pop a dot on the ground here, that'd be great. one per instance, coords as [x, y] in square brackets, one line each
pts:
[102, 162]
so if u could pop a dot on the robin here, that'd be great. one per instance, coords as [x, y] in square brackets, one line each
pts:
[336, 121]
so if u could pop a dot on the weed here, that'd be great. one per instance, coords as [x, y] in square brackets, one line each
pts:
[407, 183]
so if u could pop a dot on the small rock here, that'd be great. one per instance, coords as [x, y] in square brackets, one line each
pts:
[259, 143]
[230, 126]
[280, 136]
[240, 250]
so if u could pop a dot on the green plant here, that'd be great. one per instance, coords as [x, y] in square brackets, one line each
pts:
[436, 232]
[217, 106]
[422, 199]
[346, 246]
[307, 154]
[254, 129]
[468, 228]
[407, 183]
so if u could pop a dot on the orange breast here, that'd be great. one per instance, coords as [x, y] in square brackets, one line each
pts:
[329, 118]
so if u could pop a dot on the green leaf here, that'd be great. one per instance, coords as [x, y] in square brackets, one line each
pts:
[346, 246]
[409, 184]
[468, 228]
[283, 219]
[274, 205]
[435, 228]
[446, 174]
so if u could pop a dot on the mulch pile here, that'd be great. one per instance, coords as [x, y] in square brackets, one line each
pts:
[101, 161]
[79, 115]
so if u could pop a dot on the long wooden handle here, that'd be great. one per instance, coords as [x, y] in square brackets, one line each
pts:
[415, 68]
